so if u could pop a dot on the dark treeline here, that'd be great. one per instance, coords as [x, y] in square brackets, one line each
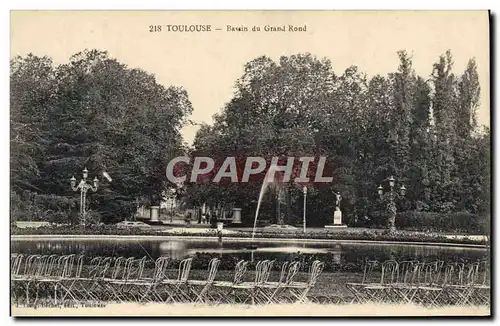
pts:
[91, 112]
[421, 129]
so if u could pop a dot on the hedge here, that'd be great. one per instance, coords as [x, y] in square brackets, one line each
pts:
[442, 222]
[378, 235]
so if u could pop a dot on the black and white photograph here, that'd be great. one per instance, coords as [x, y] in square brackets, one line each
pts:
[319, 163]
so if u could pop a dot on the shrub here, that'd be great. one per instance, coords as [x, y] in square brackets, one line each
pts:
[441, 222]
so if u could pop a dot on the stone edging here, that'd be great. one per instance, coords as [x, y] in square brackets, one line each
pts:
[46, 237]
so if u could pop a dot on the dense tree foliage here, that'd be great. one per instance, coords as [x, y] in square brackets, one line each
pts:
[421, 129]
[97, 113]
[91, 112]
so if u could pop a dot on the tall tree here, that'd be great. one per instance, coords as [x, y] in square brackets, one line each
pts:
[31, 82]
[107, 117]
[444, 108]
[468, 101]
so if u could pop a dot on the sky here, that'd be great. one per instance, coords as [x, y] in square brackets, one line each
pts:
[207, 64]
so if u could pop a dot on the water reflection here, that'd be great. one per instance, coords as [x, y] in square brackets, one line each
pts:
[174, 249]
[336, 253]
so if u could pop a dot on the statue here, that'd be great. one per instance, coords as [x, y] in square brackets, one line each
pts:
[337, 214]
[337, 201]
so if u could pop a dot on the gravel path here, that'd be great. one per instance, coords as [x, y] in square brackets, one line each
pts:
[270, 310]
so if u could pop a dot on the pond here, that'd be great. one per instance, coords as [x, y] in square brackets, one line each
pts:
[334, 254]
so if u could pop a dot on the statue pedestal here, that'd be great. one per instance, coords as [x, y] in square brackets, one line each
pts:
[154, 213]
[236, 216]
[337, 220]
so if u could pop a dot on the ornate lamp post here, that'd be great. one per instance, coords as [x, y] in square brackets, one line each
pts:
[304, 219]
[391, 205]
[83, 186]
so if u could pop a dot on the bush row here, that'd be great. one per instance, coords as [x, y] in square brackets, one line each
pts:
[376, 235]
[442, 222]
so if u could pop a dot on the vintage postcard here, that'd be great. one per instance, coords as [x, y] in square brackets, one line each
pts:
[250, 163]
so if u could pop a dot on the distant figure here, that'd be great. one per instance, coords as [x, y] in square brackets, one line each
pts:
[188, 217]
[213, 220]
[204, 212]
[219, 231]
